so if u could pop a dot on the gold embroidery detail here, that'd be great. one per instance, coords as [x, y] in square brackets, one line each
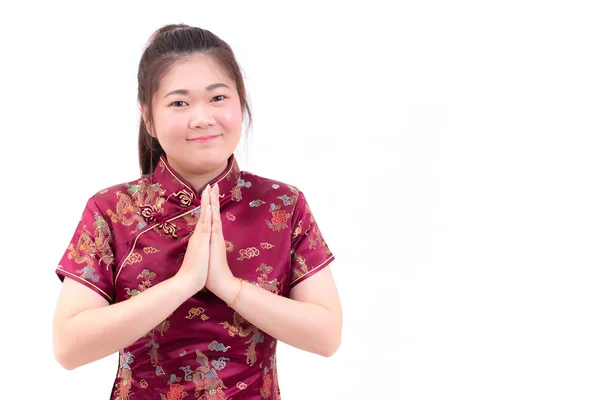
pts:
[236, 193]
[147, 277]
[194, 312]
[238, 328]
[163, 327]
[153, 353]
[269, 284]
[299, 270]
[150, 250]
[248, 253]
[298, 229]
[133, 258]
[89, 247]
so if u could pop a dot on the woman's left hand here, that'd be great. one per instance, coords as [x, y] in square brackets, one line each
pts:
[219, 274]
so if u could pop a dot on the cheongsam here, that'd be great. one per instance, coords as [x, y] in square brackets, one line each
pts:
[134, 235]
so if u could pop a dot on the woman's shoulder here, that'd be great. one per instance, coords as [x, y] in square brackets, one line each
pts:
[124, 192]
[266, 187]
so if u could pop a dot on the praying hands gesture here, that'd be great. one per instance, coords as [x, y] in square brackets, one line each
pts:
[309, 319]
[205, 261]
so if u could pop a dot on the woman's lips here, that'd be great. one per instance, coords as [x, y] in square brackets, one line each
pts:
[203, 139]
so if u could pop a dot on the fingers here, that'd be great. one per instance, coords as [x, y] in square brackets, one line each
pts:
[208, 217]
[214, 197]
[204, 222]
[215, 210]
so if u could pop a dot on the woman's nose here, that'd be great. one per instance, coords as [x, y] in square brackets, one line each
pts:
[202, 118]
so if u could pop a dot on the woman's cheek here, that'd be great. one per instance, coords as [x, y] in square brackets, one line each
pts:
[176, 126]
[231, 117]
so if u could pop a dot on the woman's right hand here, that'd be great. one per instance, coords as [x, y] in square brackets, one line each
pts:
[194, 269]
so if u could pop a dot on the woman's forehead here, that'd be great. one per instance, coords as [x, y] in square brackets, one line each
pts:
[194, 72]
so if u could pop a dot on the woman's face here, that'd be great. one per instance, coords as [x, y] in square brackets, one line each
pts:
[197, 116]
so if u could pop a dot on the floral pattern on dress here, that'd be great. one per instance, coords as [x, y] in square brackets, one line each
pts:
[134, 236]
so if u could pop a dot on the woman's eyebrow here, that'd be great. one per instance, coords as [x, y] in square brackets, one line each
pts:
[186, 92]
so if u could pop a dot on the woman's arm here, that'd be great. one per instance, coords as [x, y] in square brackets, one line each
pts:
[87, 329]
[311, 319]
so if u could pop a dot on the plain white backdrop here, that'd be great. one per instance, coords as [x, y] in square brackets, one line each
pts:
[449, 151]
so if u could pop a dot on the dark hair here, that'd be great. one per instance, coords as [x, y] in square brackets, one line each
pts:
[167, 46]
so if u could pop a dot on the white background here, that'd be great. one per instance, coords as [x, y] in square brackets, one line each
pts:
[449, 151]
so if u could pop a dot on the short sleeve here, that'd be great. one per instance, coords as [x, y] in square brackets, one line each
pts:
[89, 258]
[309, 252]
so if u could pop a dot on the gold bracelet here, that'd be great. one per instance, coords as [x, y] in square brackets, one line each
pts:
[238, 294]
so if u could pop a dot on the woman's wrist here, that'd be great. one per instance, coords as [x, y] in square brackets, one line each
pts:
[227, 289]
[185, 285]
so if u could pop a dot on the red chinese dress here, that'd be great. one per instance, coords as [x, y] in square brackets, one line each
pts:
[134, 235]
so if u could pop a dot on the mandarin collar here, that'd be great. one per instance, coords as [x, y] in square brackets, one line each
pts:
[179, 193]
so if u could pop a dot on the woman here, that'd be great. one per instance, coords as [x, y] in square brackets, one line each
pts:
[194, 271]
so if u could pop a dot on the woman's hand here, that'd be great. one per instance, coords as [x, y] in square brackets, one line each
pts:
[219, 273]
[193, 272]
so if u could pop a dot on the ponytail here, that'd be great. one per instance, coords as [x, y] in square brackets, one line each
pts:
[149, 150]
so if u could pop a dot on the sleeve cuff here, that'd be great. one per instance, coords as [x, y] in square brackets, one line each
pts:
[312, 271]
[62, 273]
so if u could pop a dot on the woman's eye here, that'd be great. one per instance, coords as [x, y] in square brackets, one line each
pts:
[218, 98]
[178, 103]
